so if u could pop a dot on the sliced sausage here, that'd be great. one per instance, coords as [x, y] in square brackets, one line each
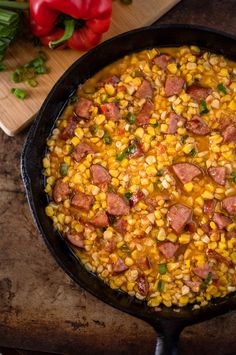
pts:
[112, 80]
[198, 126]
[119, 266]
[220, 258]
[221, 220]
[209, 207]
[100, 174]
[144, 115]
[178, 216]
[224, 122]
[121, 226]
[82, 107]
[76, 239]
[142, 284]
[162, 60]
[202, 271]
[168, 249]
[229, 204]
[231, 234]
[109, 246]
[186, 172]
[80, 151]
[144, 263]
[100, 220]
[111, 111]
[218, 174]
[61, 191]
[138, 151]
[144, 90]
[205, 227]
[116, 205]
[229, 135]
[197, 92]
[173, 85]
[68, 131]
[82, 201]
[173, 122]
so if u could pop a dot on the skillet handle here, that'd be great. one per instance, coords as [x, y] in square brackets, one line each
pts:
[167, 342]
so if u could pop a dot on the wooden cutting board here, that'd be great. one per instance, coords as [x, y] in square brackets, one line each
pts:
[16, 114]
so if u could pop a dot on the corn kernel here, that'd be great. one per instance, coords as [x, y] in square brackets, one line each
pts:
[75, 141]
[49, 211]
[139, 132]
[110, 89]
[100, 119]
[187, 148]
[172, 67]
[151, 170]
[79, 133]
[183, 300]
[184, 238]
[207, 195]
[172, 237]
[232, 105]
[128, 261]
[46, 163]
[188, 187]
[213, 225]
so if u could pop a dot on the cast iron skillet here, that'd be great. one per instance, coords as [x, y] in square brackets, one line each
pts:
[167, 322]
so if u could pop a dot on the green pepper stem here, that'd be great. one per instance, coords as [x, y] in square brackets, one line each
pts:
[13, 5]
[69, 29]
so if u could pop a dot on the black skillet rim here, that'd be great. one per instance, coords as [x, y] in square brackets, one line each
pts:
[186, 314]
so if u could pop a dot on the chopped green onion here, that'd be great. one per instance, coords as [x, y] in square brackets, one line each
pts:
[160, 173]
[128, 195]
[131, 118]
[125, 249]
[192, 153]
[162, 269]
[63, 169]
[31, 82]
[222, 88]
[161, 285]
[203, 107]
[35, 63]
[234, 176]
[94, 129]
[107, 139]
[73, 99]
[154, 125]
[103, 98]
[131, 149]
[206, 282]
[120, 156]
[41, 70]
[18, 93]
[183, 139]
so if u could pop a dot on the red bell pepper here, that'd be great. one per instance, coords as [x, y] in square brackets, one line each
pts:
[77, 24]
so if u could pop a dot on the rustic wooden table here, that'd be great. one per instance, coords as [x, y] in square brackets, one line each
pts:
[40, 307]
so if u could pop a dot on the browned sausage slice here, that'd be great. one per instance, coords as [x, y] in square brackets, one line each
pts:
[173, 85]
[144, 115]
[229, 134]
[116, 205]
[229, 204]
[61, 191]
[209, 207]
[143, 285]
[100, 220]
[111, 111]
[68, 131]
[80, 151]
[178, 216]
[144, 90]
[162, 60]
[202, 271]
[186, 172]
[121, 226]
[198, 92]
[119, 266]
[168, 249]
[82, 201]
[220, 258]
[173, 122]
[82, 107]
[221, 220]
[76, 239]
[198, 126]
[100, 174]
[218, 174]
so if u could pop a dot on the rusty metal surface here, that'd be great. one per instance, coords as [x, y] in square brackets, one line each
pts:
[40, 307]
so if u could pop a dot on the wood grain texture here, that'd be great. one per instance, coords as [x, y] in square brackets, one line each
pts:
[15, 114]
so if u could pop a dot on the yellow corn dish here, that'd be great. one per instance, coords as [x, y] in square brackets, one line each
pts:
[140, 172]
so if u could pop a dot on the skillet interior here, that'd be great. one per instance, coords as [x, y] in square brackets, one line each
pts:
[34, 149]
